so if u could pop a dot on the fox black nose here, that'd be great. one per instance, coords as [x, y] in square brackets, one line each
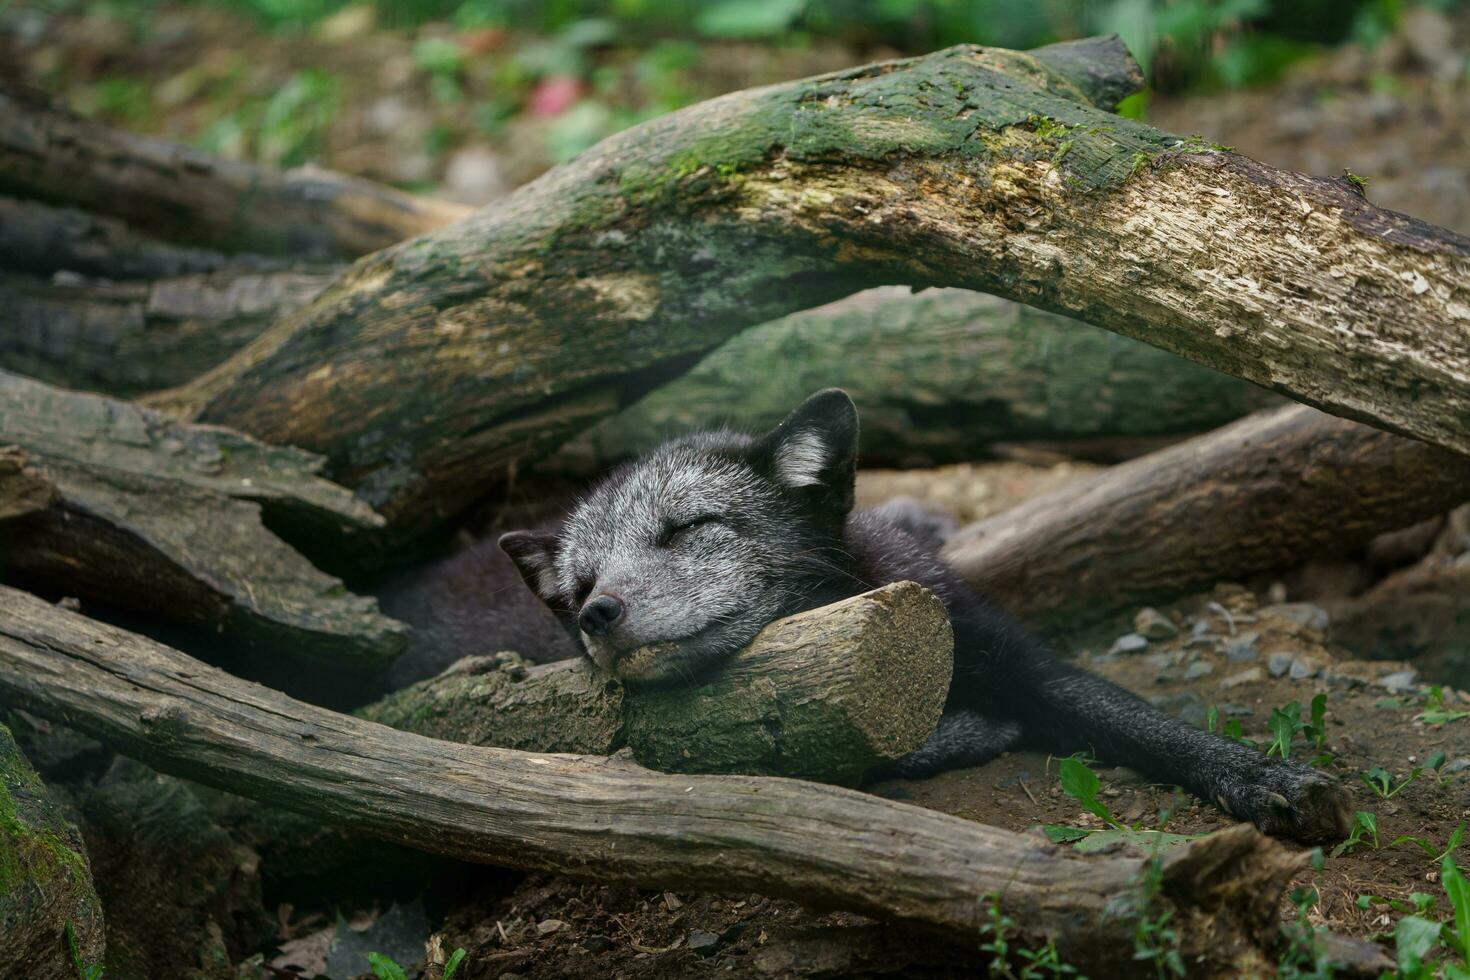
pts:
[600, 615]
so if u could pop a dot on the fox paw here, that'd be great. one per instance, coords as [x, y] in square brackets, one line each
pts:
[1288, 799]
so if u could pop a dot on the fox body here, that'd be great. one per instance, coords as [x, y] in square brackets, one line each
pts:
[691, 550]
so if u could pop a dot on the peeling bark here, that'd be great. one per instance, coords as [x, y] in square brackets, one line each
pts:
[823, 695]
[128, 338]
[182, 195]
[940, 377]
[23, 490]
[165, 518]
[613, 820]
[1253, 497]
[432, 367]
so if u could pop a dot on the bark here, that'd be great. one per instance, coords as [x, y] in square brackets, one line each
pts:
[941, 377]
[42, 240]
[23, 490]
[1256, 496]
[823, 695]
[45, 880]
[432, 367]
[171, 520]
[616, 821]
[182, 195]
[127, 338]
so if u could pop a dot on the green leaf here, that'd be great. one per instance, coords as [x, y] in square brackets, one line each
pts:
[1458, 889]
[748, 18]
[1146, 840]
[1435, 761]
[455, 959]
[384, 968]
[1078, 781]
[1413, 937]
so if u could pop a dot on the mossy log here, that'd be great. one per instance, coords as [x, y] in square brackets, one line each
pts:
[1257, 496]
[431, 367]
[823, 695]
[614, 820]
[41, 240]
[127, 338]
[172, 520]
[182, 195]
[940, 376]
[47, 900]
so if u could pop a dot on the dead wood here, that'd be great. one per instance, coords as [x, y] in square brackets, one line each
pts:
[127, 338]
[179, 194]
[435, 366]
[171, 520]
[616, 821]
[1260, 495]
[941, 376]
[823, 695]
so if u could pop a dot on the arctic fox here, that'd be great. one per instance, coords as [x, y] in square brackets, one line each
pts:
[702, 542]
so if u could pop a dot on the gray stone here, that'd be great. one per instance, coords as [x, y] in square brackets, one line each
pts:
[1302, 668]
[1154, 625]
[703, 942]
[1129, 643]
[1456, 765]
[1279, 663]
[1242, 649]
[1305, 613]
[1198, 669]
[1399, 682]
[1247, 676]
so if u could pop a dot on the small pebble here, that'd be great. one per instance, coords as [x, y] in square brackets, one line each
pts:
[1154, 625]
[1302, 668]
[1129, 643]
[547, 926]
[1198, 669]
[1399, 681]
[1458, 765]
[1248, 676]
[703, 942]
[1310, 616]
[1242, 648]
[1279, 663]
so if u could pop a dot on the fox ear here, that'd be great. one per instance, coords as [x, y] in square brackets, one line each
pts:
[534, 554]
[814, 451]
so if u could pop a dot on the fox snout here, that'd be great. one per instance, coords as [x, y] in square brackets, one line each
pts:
[601, 614]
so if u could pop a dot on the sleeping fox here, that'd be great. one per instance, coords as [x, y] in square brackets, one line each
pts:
[702, 542]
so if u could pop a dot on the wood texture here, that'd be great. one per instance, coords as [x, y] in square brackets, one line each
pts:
[940, 377]
[433, 367]
[23, 490]
[170, 520]
[45, 879]
[181, 195]
[616, 821]
[1262, 494]
[823, 695]
[128, 338]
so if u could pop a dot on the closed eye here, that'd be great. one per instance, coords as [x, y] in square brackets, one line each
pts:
[674, 531]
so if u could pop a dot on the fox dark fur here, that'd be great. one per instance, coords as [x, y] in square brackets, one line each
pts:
[705, 540]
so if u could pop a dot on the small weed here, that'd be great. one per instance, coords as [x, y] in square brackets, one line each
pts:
[385, 968]
[86, 971]
[1435, 712]
[1036, 964]
[1286, 722]
[1365, 828]
[1437, 854]
[1154, 940]
[1303, 956]
[1422, 944]
[1081, 784]
[1380, 781]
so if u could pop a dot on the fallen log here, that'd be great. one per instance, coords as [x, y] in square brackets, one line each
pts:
[172, 520]
[940, 376]
[432, 367]
[1256, 496]
[127, 338]
[823, 695]
[41, 240]
[179, 194]
[47, 899]
[616, 821]
[23, 490]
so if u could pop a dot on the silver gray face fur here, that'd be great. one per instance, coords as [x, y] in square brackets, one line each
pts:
[704, 541]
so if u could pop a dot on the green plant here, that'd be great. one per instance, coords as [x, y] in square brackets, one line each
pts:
[1365, 827]
[1155, 941]
[1435, 712]
[385, 968]
[1286, 722]
[1081, 784]
[1421, 944]
[1435, 853]
[452, 965]
[1035, 964]
[86, 971]
[1303, 955]
[1380, 781]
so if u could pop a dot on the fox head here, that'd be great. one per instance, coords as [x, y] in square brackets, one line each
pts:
[680, 558]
